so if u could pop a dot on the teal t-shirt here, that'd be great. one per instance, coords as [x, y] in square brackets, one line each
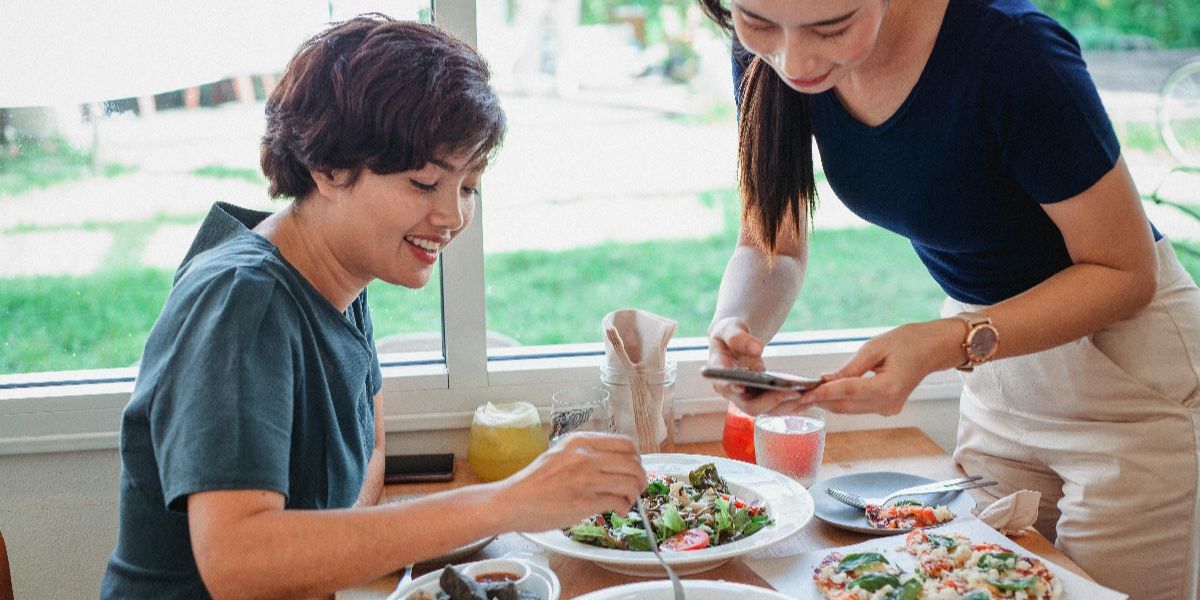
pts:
[250, 379]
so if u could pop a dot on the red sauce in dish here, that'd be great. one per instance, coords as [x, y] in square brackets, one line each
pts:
[497, 577]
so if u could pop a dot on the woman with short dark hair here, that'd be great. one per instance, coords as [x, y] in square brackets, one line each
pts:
[972, 128]
[252, 448]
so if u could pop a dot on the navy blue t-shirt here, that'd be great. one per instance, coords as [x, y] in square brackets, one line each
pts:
[250, 380]
[1003, 119]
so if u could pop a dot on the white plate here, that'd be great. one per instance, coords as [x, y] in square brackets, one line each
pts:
[542, 581]
[877, 485]
[793, 575]
[696, 589]
[787, 502]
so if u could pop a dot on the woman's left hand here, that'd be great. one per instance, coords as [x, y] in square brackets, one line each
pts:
[885, 370]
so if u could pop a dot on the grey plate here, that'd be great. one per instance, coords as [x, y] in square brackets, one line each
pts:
[458, 553]
[878, 484]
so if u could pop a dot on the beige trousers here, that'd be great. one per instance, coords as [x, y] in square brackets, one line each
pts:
[1107, 428]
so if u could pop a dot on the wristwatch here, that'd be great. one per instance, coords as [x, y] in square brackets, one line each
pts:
[981, 340]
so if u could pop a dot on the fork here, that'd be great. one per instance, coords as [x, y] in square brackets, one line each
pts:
[675, 583]
[951, 485]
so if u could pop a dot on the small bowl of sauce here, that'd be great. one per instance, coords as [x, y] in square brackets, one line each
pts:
[497, 577]
[498, 570]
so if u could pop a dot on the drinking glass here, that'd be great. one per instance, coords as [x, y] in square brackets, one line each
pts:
[738, 437]
[792, 444]
[658, 396]
[504, 438]
[581, 408]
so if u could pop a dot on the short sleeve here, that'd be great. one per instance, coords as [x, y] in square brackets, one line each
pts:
[1056, 138]
[221, 415]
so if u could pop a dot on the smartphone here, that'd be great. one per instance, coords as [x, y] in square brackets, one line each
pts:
[767, 380]
[416, 468]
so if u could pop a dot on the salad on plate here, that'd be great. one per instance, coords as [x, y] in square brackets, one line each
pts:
[686, 513]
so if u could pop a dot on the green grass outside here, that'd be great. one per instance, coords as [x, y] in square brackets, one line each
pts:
[865, 277]
[856, 278]
[223, 172]
[48, 163]
[102, 320]
[853, 280]
[1135, 135]
[64, 323]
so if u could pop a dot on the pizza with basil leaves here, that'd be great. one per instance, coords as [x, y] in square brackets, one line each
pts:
[949, 567]
[863, 575]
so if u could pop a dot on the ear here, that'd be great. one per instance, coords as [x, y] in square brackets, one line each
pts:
[330, 183]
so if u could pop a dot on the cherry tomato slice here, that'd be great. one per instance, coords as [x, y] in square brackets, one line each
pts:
[692, 539]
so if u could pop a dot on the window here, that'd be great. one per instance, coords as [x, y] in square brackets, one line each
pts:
[117, 138]
[616, 188]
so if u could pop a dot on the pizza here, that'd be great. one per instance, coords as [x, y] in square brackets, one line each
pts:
[938, 554]
[907, 514]
[860, 575]
[949, 567]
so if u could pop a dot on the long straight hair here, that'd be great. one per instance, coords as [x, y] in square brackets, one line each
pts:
[775, 162]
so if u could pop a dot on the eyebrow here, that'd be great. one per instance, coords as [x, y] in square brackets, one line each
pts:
[475, 167]
[823, 23]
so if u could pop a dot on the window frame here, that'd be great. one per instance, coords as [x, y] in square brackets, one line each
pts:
[81, 410]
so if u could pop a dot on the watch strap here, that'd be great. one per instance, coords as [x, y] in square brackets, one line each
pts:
[972, 320]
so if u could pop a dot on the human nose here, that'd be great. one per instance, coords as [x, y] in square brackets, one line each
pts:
[793, 58]
[454, 211]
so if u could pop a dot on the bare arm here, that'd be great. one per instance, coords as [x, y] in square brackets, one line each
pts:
[372, 488]
[247, 544]
[757, 292]
[1112, 278]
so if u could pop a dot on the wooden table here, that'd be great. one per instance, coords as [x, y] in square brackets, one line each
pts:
[907, 450]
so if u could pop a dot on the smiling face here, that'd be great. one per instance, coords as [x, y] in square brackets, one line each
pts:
[813, 45]
[393, 227]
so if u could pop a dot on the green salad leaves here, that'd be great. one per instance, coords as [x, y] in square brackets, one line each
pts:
[686, 514]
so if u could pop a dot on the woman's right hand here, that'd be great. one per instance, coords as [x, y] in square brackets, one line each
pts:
[583, 474]
[730, 344]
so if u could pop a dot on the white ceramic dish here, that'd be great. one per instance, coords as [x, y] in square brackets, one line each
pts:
[541, 580]
[787, 502]
[792, 575]
[878, 484]
[696, 589]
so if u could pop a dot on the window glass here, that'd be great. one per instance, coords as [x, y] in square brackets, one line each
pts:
[120, 125]
[617, 186]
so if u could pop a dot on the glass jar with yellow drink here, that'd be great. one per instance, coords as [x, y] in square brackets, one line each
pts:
[504, 438]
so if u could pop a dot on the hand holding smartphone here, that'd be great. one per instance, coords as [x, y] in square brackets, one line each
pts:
[767, 380]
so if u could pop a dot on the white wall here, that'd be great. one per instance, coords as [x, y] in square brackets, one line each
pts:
[58, 511]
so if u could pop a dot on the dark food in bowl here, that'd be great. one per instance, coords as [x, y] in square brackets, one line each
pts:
[457, 586]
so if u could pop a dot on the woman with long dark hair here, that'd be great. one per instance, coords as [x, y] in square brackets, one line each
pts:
[972, 128]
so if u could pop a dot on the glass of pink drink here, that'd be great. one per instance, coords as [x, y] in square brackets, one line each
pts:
[793, 444]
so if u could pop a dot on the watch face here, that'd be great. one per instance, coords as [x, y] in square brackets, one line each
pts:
[982, 343]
